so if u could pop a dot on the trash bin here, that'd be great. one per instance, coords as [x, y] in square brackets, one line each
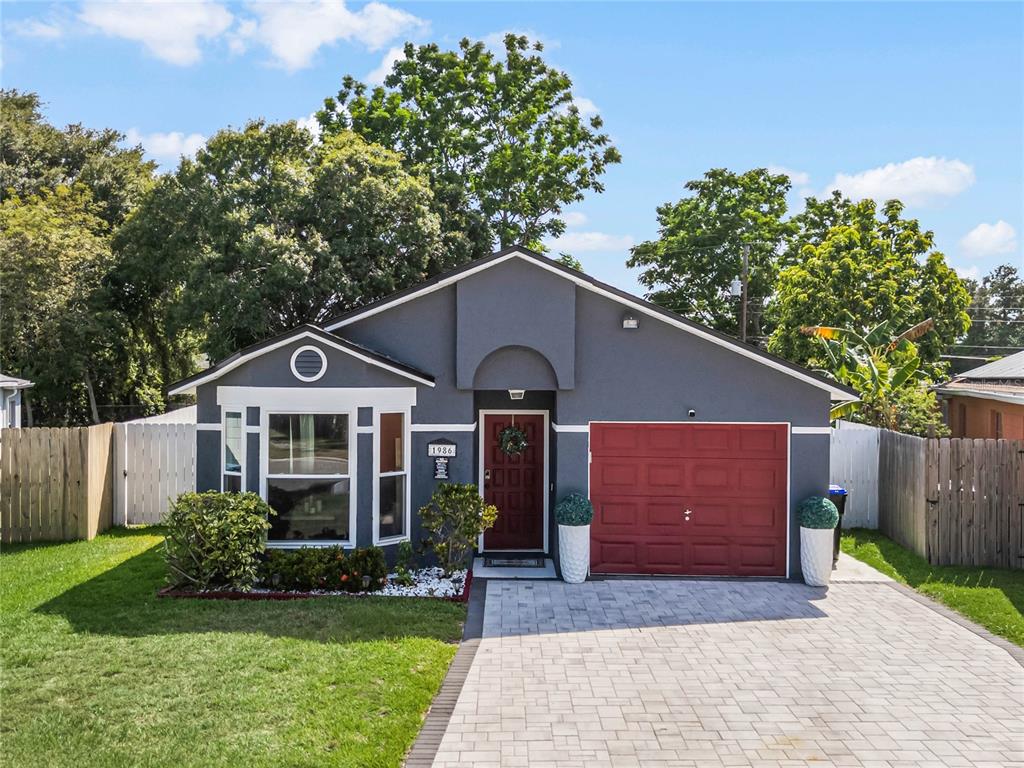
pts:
[837, 495]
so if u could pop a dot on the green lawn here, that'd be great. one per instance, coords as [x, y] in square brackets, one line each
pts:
[992, 597]
[97, 671]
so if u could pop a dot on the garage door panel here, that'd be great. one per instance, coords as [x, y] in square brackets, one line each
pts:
[689, 440]
[733, 479]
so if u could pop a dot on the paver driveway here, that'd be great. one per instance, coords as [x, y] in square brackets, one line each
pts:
[708, 673]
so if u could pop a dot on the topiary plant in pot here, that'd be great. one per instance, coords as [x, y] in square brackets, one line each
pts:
[818, 519]
[574, 514]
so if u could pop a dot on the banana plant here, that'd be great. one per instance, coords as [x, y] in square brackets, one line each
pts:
[877, 363]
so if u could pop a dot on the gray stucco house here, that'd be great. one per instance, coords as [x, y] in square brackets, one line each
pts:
[694, 447]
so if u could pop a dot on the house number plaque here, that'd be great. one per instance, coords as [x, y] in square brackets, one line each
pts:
[442, 448]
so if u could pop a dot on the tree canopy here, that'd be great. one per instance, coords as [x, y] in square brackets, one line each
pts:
[267, 229]
[997, 314]
[502, 141]
[849, 266]
[701, 239]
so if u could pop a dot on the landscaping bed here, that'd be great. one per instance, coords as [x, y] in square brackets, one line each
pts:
[991, 597]
[425, 583]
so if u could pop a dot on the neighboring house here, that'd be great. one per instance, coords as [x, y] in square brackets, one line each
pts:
[987, 401]
[10, 399]
[693, 447]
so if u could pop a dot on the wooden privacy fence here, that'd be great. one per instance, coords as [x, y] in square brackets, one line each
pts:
[953, 501]
[975, 504]
[55, 484]
[154, 463]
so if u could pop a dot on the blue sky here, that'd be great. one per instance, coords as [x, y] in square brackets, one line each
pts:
[920, 101]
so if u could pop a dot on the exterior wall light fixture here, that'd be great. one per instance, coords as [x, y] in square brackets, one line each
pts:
[516, 394]
[630, 322]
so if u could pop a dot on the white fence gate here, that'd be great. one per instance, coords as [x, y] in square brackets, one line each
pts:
[854, 465]
[153, 463]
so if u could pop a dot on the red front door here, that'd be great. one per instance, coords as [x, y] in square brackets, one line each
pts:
[515, 484]
[703, 499]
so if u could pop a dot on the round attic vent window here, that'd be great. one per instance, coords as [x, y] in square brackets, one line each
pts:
[308, 363]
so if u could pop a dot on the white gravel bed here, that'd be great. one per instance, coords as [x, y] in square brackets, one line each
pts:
[427, 582]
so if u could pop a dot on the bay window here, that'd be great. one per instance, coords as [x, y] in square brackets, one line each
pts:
[391, 499]
[308, 479]
[231, 477]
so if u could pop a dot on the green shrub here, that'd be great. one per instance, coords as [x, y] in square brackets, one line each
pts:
[405, 563]
[215, 540]
[324, 568]
[574, 509]
[454, 519]
[818, 512]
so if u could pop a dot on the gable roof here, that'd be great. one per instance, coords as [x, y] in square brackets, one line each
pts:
[1010, 368]
[303, 331]
[13, 382]
[837, 391]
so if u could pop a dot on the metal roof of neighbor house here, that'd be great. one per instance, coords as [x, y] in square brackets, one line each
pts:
[839, 392]
[1010, 367]
[370, 356]
[12, 382]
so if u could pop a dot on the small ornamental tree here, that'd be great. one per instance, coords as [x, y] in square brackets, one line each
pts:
[454, 519]
[215, 540]
[574, 509]
[818, 512]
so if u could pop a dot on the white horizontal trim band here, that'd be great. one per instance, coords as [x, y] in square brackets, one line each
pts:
[252, 429]
[812, 430]
[364, 430]
[571, 427]
[205, 427]
[316, 399]
[443, 427]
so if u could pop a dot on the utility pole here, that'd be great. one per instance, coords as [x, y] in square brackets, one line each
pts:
[743, 293]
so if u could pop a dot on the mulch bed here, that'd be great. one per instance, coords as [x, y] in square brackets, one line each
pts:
[234, 595]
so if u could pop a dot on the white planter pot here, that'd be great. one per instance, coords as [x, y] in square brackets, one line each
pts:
[574, 552]
[816, 555]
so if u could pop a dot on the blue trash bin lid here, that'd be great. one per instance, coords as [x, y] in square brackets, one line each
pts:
[837, 490]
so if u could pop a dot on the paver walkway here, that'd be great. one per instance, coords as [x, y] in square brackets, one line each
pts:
[709, 673]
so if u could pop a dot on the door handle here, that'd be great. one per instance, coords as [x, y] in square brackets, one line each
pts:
[487, 474]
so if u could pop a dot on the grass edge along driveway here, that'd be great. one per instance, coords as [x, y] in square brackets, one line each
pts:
[95, 670]
[991, 597]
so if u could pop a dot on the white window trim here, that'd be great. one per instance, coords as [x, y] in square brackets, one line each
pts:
[243, 458]
[407, 471]
[323, 361]
[352, 476]
[482, 436]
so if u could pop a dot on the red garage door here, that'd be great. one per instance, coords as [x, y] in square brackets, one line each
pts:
[701, 499]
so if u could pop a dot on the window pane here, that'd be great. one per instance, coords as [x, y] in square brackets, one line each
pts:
[392, 449]
[232, 483]
[308, 509]
[233, 442]
[308, 444]
[392, 506]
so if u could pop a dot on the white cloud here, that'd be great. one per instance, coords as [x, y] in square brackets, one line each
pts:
[585, 106]
[376, 77]
[44, 30]
[167, 148]
[918, 181]
[574, 218]
[311, 124]
[798, 178]
[968, 273]
[295, 31]
[171, 31]
[585, 242]
[989, 240]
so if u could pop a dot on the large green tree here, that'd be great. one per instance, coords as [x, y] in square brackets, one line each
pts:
[64, 191]
[37, 156]
[997, 314]
[55, 327]
[503, 143]
[851, 265]
[701, 241]
[266, 229]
